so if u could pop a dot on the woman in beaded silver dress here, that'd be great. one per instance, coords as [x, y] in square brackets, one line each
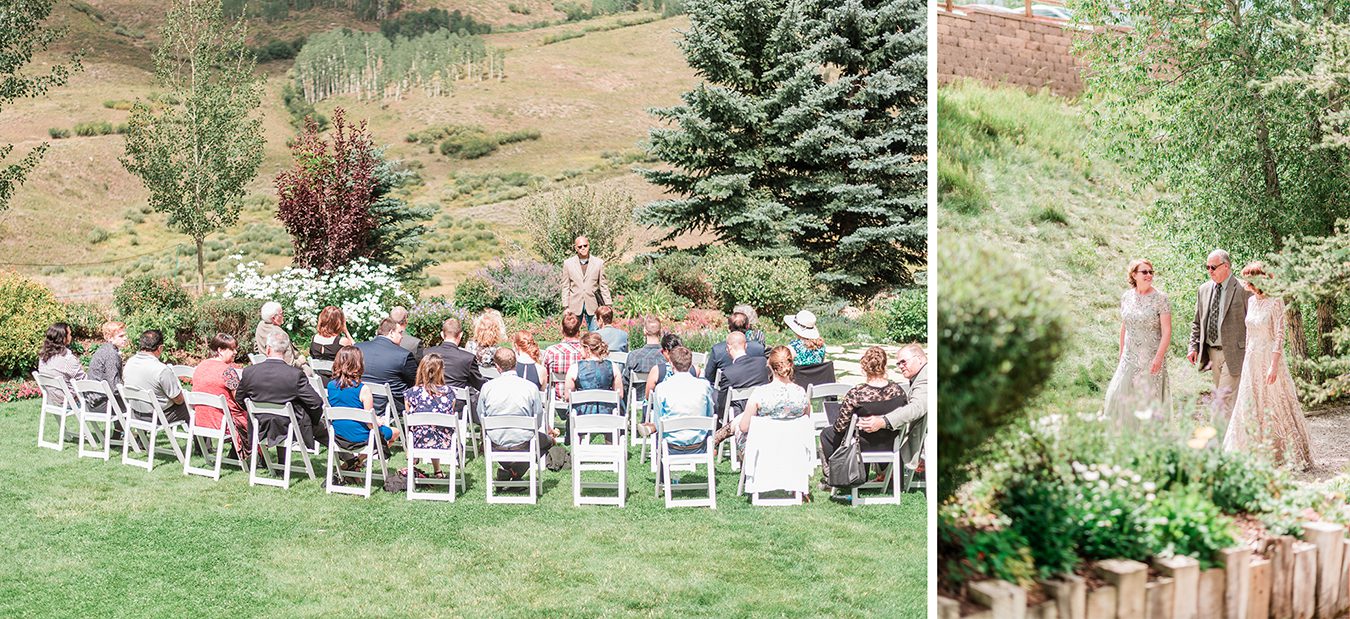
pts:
[1139, 389]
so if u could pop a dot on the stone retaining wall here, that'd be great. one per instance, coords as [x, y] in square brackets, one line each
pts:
[999, 49]
[1307, 579]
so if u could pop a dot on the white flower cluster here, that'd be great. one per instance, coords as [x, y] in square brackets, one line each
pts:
[1104, 476]
[365, 291]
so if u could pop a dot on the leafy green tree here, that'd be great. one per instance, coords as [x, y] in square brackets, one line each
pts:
[1190, 96]
[196, 157]
[769, 154]
[555, 220]
[22, 35]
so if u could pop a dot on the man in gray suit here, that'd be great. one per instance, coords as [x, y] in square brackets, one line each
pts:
[1219, 331]
[913, 365]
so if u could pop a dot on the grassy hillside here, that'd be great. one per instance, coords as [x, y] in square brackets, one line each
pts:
[1018, 172]
[587, 96]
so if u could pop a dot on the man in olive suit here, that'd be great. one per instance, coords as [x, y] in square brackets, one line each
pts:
[1219, 331]
[584, 285]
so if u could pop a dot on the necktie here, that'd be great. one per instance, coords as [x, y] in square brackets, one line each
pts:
[1212, 324]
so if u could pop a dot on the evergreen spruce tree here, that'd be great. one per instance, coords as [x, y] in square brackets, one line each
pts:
[807, 137]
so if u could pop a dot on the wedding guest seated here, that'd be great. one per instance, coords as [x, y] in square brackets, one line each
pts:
[593, 371]
[719, 359]
[56, 358]
[509, 394]
[388, 363]
[144, 370]
[807, 348]
[663, 369]
[683, 395]
[743, 370]
[779, 399]
[559, 357]
[527, 354]
[430, 394]
[648, 357]
[330, 336]
[276, 382]
[488, 334]
[218, 375]
[752, 333]
[106, 362]
[272, 318]
[460, 366]
[615, 338]
[409, 343]
[346, 389]
[877, 388]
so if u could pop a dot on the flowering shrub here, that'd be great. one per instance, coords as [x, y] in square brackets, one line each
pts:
[525, 288]
[363, 290]
[14, 390]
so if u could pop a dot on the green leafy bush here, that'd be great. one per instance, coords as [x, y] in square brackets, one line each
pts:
[176, 325]
[998, 341]
[654, 300]
[1041, 507]
[475, 294]
[774, 287]
[58, 133]
[425, 319]
[685, 275]
[27, 308]
[98, 235]
[1186, 523]
[149, 294]
[906, 318]
[522, 135]
[468, 145]
[86, 319]
[553, 221]
[992, 552]
[236, 317]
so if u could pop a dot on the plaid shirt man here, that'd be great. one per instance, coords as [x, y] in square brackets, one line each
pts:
[560, 356]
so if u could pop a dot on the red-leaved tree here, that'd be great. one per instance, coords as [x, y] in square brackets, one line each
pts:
[324, 201]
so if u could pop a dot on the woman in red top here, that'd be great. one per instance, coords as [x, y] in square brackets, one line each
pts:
[218, 375]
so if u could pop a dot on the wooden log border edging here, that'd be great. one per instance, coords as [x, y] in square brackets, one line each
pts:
[1301, 579]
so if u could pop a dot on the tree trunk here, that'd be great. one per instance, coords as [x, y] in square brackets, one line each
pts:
[1298, 340]
[1326, 323]
[201, 270]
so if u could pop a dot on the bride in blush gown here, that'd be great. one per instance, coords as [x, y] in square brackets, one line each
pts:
[1267, 412]
[1139, 385]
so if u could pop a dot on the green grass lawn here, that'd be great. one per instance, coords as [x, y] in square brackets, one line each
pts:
[83, 537]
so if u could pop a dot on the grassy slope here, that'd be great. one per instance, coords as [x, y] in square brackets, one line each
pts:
[588, 97]
[85, 537]
[1018, 173]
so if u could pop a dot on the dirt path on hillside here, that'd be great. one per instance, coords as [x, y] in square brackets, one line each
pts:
[1330, 435]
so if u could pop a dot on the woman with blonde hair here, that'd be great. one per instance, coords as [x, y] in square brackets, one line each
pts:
[489, 331]
[430, 394]
[1139, 388]
[1266, 412]
[780, 399]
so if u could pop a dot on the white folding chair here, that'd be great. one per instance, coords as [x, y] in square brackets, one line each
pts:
[388, 416]
[492, 457]
[891, 480]
[255, 358]
[823, 392]
[489, 372]
[700, 361]
[146, 414]
[321, 365]
[729, 416]
[204, 436]
[786, 434]
[316, 383]
[920, 427]
[636, 413]
[453, 457]
[56, 401]
[618, 361]
[666, 461]
[555, 406]
[293, 442]
[111, 417]
[370, 451]
[464, 403]
[586, 456]
[184, 372]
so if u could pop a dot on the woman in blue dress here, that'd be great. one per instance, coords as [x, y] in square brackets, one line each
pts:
[346, 390]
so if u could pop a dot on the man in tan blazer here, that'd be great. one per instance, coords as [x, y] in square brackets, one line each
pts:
[584, 285]
[1219, 331]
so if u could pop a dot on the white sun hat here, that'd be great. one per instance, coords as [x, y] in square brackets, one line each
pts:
[803, 324]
